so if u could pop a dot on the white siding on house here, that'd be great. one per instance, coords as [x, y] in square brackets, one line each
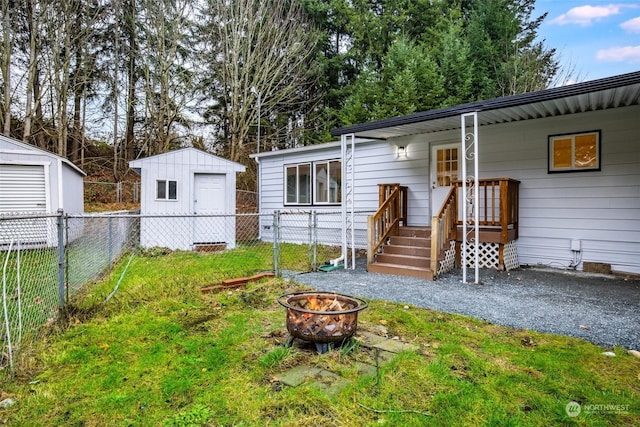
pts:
[375, 163]
[599, 208]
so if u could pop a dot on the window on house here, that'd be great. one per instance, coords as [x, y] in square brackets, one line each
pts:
[166, 190]
[328, 182]
[298, 184]
[574, 152]
[324, 178]
[447, 166]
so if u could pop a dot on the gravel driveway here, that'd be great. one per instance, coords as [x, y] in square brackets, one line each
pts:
[602, 309]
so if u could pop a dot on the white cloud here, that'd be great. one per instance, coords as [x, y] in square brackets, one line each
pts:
[585, 15]
[619, 54]
[632, 25]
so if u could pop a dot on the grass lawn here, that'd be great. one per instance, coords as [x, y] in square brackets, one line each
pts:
[161, 353]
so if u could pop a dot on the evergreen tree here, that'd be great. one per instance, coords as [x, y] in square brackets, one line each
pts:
[507, 58]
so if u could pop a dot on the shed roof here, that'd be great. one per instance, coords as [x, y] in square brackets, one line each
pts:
[610, 92]
[194, 152]
[23, 148]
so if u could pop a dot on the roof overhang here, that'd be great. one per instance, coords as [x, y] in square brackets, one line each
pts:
[611, 92]
[33, 150]
[295, 150]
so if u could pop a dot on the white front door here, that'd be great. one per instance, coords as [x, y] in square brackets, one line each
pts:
[209, 200]
[445, 168]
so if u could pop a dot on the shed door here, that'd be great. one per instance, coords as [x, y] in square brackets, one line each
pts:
[22, 188]
[209, 199]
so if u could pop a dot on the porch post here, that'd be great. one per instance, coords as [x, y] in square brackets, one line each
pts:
[472, 139]
[348, 184]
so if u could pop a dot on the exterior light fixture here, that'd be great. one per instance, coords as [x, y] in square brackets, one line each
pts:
[401, 151]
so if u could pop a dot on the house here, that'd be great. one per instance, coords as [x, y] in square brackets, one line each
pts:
[35, 181]
[188, 200]
[542, 178]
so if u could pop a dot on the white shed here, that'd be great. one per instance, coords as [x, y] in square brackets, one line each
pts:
[34, 181]
[188, 199]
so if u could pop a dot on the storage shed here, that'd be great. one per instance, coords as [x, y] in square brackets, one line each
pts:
[188, 200]
[34, 181]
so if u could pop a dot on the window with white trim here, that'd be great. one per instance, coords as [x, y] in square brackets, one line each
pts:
[574, 152]
[166, 189]
[328, 182]
[298, 184]
[319, 181]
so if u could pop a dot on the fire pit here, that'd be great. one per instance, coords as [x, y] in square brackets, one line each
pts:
[322, 318]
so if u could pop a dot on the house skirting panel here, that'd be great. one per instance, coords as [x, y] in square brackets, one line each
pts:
[490, 256]
[449, 261]
[510, 254]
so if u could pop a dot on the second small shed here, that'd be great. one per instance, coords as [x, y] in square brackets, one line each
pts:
[188, 199]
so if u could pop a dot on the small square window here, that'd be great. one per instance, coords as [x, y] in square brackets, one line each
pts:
[166, 190]
[574, 152]
[173, 190]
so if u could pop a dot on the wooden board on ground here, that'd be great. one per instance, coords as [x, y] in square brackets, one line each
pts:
[235, 283]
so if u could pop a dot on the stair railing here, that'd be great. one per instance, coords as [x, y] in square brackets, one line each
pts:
[387, 219]
[443, 227]
[498, 205]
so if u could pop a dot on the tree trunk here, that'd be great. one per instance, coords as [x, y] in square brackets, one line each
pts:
[130, 28]
[7, 48]
[78, 90]
[31, 70]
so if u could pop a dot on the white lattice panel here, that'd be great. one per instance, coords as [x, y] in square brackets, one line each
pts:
[449, 260]
[489, 255]
[510, 254]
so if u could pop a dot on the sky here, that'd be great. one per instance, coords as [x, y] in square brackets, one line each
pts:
[594, 38]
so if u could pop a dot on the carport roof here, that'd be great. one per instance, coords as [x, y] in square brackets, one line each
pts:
[611, 92]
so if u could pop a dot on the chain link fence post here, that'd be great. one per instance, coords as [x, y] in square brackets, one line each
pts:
[110, 242]
[276, 243]
[61, 264]
[310, 241]
[314, 239]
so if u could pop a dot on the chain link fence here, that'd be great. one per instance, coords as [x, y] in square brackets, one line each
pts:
[111, 192]
[39, 275]
[29, 261]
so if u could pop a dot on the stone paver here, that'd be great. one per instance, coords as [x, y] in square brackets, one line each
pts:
[391, 345]
[369, 339]
[395, 346]
[298, 375]
[331, 383]
[365, 369]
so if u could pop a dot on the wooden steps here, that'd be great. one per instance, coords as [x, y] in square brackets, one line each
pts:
[407, 254]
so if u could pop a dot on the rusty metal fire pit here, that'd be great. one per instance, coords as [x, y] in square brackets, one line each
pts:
[323, 318]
